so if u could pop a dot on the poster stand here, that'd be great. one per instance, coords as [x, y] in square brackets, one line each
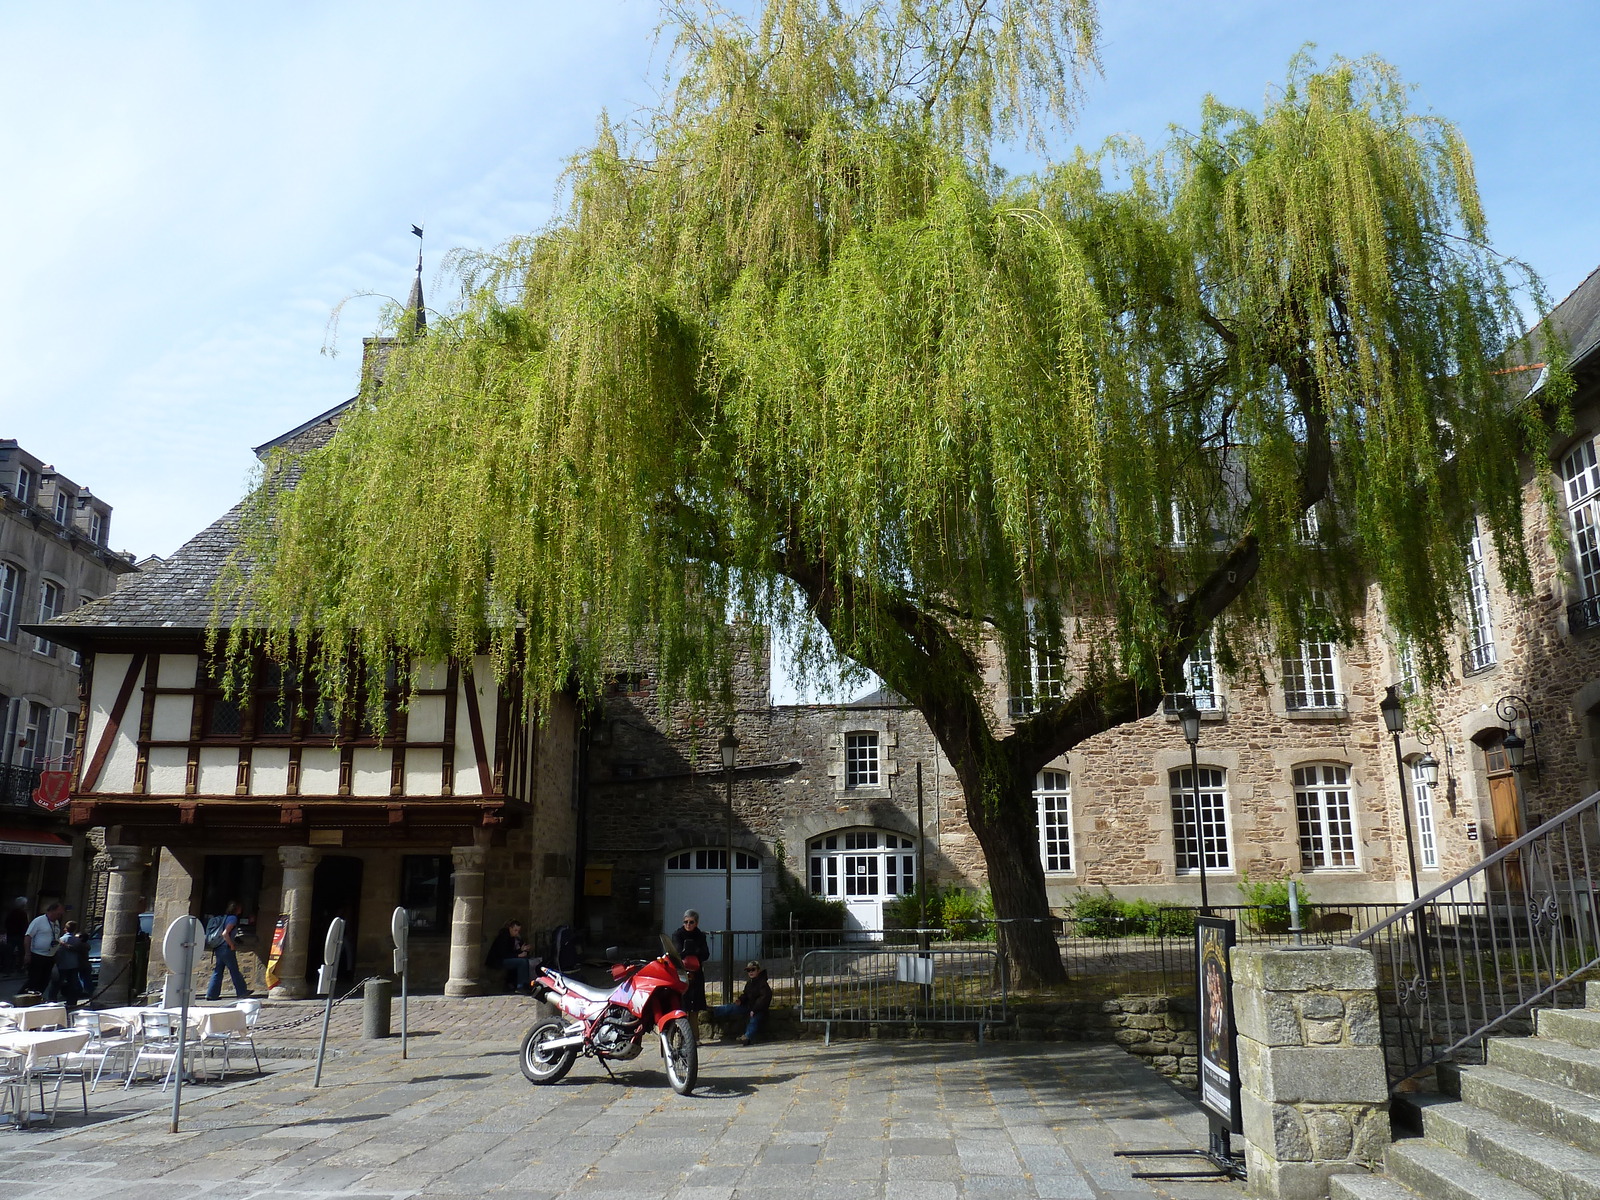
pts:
[1214, 939]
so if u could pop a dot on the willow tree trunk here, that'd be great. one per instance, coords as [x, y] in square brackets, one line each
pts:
[1005, 825]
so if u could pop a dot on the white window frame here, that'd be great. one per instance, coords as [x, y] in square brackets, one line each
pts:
[861, 864]
[1308, 525]
[1052, 797]
[1200, 675]
[97, 527]
[863, 759]
[1311, 678]
[63, 507]
[1480, 655]
[1214, 825]
[24, 485]
[1427, 829]
[712, 858]
[1325, 817]
[1405, 667]
[47, 612]
[1580, 478]
[10, 598]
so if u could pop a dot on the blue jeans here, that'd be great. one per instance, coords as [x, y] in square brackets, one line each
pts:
[521, 967]
[752, 1027]
[227, 960]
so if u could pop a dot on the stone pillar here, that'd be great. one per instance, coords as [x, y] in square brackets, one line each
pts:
[121, 933]
[466, 921]
[1314, 1092]
[177, 881]
[299, 864]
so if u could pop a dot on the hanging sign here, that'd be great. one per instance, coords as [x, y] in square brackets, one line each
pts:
[54, 790]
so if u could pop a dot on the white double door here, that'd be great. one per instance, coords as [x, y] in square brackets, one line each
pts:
[705, 891]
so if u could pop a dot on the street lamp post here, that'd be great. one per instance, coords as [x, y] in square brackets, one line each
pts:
[729, 745]
[1189, 718]
[1394, 720]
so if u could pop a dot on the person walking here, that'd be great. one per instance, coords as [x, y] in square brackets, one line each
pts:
[39, 948]
[753, 1003]
[72, 952]
[227, 952]
[690, 942]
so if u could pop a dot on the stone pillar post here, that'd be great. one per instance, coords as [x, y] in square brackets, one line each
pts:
[466, 922]
[121, 933]
[299, 864]
[1314, 1092]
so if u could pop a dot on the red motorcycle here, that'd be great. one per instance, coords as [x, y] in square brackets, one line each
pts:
[611, 1025]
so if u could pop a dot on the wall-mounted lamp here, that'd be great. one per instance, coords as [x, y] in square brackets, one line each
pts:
[1512, 710]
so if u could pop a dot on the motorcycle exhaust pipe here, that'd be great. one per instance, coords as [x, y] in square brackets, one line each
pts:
[562, 1043]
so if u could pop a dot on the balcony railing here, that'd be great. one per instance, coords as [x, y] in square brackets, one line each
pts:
[1583, 615]
[1206, 701]
[1314, 700]
[17, 785]
[1478, 658]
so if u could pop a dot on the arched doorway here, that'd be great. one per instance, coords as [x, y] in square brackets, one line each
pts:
[697, 879]
[866, 868]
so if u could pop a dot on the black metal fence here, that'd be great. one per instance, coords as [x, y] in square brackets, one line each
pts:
[17, 785]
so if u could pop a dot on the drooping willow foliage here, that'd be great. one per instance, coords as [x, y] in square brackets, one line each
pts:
[797, 348]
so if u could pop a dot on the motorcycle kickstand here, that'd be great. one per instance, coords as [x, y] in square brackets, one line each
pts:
[607, 1066]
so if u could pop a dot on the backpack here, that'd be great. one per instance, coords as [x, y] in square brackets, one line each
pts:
[564, 948]
[214, 932]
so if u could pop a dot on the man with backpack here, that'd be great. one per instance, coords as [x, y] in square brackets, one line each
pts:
[220, 934]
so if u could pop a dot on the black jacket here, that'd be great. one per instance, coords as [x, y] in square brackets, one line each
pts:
[503, 947]
[757, 995]
[691, 942]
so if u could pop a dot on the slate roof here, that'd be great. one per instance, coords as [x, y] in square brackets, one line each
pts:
[1577, 318]
[176, 595]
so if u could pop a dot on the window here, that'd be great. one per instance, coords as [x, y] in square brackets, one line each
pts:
[860, 760]
[63, 509]
[1480, 629]
[10, 589]
[50, 595]
[1327, 829]
[97, 527]
[427, 890]
[1311, 678]
[1427, 839]
[1200, 676]
[862, 864]
[25, 485]
[1209, 824]
[1039, 678]
[712, 860]
[1580, 477]
[1405, 663]
[34, 733]
[1309, 526]
[1054, 797]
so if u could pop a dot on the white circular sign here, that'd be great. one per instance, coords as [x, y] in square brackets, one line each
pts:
[182, 943]
[400, 928]
[334, 940]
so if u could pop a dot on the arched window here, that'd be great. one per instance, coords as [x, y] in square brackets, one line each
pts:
[1200, 820]
[1327, 823]
[712, 859]
[862, 864]
[1054, 798]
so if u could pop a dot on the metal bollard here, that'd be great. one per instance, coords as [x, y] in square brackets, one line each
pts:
[375, 998]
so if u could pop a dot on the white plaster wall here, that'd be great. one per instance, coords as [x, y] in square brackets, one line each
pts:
[422, 772]
[170, 719]
[177, 671]
[269, 772]
[168, 767]
[219, 770]
[319, 771]
[370, 770]
[425, 720]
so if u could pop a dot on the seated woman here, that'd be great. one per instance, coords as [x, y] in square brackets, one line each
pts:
[509, 953]
[753, 1004]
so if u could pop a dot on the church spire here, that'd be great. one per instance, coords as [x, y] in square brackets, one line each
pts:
[414, 306]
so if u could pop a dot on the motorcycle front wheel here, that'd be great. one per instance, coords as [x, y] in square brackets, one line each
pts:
[680, 1053]
[542, 1065]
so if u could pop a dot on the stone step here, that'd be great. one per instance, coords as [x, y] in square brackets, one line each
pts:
[1575, 1026]
[1535, 1104]
[1544, 1058]
[1361, 1186]
[1438, 1173]
[1541, 1163]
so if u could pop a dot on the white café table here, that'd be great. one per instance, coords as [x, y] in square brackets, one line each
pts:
[204, 1021]
[40, 1016]
[44, 1044]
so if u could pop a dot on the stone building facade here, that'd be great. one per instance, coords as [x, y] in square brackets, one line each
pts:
[54, 556]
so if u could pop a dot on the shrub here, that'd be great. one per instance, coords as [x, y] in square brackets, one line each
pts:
[1269, 904]
[905, 911]
[1105, 916]
[968, 916]
[808, 911]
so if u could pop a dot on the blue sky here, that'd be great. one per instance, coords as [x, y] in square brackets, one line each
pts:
[191, 189]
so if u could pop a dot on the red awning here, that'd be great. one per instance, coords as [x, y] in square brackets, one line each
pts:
[35, 842]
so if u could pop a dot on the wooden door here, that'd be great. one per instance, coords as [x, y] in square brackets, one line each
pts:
[1507, 812]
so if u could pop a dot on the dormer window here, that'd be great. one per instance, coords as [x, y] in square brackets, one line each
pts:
[97, 527]
[63, 512]
[25, 485]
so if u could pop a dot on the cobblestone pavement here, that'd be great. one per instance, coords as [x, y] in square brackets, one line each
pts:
[856, 1120]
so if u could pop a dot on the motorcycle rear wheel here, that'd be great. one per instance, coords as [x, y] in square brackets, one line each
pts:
[681, 1054]
[540, 1065]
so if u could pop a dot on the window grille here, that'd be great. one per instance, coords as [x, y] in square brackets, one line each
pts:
[1054, 799]
[1327, 826]
[1311, 678]
[1210, 824]
[861, 760]
[1480, 654]
[1427, 837]
[1580, 476]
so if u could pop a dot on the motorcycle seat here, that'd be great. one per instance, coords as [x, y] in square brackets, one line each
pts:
[584, 990]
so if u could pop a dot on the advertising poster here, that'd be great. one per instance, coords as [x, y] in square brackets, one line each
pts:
[1219, 1080]
[276, 954]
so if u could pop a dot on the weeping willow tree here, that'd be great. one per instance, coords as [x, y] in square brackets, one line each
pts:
[797, 349]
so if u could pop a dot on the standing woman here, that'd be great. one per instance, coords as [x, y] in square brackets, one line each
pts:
[691, 943]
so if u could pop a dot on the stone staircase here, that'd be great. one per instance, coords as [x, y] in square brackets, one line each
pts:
[1523, 1125]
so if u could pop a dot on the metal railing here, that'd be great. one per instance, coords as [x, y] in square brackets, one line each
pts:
[1585, 614]
[941, 985]
[17, 785]
[1475, 956]
[1479, 657]
[1313, 700]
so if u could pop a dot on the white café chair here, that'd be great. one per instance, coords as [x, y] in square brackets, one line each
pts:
[14, 1086]
[228, 1039]
[159, 1044]
[102, 1047]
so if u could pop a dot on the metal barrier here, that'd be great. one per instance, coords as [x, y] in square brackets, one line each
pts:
[908, 986]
